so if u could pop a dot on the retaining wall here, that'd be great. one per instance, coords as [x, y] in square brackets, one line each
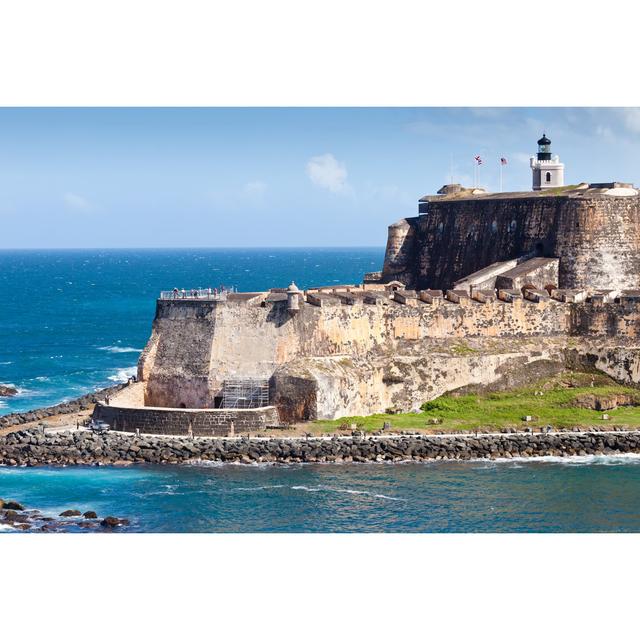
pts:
[197, 422]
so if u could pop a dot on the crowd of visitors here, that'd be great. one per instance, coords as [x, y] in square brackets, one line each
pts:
[216, 292]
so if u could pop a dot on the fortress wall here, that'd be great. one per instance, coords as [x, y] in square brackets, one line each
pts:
[620, 321]
[196, 349]
[598, 241]
[180, 351]
[401, 250]
[596, 238]
[211, 422]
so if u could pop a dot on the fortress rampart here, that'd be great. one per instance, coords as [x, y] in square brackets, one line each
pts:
[596, 237]
[354, 350]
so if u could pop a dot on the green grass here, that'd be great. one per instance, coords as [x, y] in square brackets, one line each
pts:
[506, 408]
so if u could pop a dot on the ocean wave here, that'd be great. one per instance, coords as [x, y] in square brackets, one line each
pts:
[322, 487]
[122, 375]
[519, 462]
[20, 391]
[116, 349]
[7, 362]
[262, 488]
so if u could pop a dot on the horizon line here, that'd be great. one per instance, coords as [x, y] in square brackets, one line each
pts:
[276, 247]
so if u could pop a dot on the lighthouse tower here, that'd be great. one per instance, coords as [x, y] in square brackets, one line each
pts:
[548, 171]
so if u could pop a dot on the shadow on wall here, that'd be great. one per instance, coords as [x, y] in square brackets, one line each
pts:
[279, 314]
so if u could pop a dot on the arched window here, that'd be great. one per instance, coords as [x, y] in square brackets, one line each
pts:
[548, 176]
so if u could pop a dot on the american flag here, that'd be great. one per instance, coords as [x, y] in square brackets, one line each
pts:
[503, 161]
[478, 159]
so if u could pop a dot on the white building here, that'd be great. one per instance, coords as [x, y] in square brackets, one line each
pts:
[548, 171]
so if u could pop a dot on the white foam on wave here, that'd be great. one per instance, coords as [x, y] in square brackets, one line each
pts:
[7, 362]
[122, 375]
[261, 488]
[116, 349]
[322, 487]
[519, 462]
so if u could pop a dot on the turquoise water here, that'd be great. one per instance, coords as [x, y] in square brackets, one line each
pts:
[582, 495]
[75, 321]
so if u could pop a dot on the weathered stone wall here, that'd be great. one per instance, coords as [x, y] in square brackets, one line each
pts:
[195, 350]
[612, 320]
[338, 359]
[597, 239]
[211, 422]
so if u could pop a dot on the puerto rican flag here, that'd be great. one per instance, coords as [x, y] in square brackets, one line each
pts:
[503, 161]
[478, 160]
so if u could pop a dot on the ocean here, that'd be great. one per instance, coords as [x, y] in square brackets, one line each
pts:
[550, 496]
[75, 321]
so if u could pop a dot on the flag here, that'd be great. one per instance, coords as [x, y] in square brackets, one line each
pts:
[503, 161]
[478, 159]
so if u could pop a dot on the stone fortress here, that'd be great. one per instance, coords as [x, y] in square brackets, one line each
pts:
[478, 291]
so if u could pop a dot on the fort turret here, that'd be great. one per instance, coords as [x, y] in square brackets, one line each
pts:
[293, 299]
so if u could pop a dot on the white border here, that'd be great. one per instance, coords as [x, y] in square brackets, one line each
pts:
[329, 52]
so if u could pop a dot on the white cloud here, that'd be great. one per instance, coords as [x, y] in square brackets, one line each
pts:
[255, 188]
[327, 172]
[76, 202]
[631, 119]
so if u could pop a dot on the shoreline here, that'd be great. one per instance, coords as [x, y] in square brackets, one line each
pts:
[32, 448]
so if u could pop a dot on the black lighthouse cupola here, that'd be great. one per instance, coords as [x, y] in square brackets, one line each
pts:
[544, 148]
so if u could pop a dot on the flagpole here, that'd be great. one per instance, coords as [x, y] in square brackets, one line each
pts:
[451, 169]
[500, 175]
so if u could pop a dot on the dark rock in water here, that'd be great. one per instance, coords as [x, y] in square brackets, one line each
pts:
[70, 513]
[90, 515]
[23, 526]
[13, 505]
[14, 516]
[111, 522]
[87, 525]
[7, 391]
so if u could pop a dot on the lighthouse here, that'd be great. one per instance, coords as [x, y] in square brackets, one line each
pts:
[548, 171]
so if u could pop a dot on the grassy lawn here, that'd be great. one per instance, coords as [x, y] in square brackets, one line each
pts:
[549, 402]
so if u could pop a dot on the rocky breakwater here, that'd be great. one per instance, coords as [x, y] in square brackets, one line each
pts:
[33, 447]
[83, 403]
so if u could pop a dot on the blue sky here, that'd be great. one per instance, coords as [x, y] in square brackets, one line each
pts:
[150, 177]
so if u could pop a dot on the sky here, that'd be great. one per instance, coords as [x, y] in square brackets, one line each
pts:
[251, 177]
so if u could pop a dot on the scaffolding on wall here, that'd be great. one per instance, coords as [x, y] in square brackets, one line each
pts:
[245, 393]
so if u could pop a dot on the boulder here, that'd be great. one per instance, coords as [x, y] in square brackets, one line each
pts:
[7, 391]
[90, 515]
[13, 505]
[110, 522]
[69, 513]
